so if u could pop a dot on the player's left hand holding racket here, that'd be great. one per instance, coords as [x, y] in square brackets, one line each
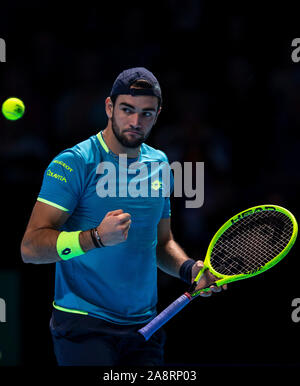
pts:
[207, 280]
[246, 245]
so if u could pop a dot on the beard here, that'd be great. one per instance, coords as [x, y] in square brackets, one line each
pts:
[124, 141]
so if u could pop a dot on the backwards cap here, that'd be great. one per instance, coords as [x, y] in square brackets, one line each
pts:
[124, 81]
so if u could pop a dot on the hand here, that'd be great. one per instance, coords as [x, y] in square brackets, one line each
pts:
[206, 280]
[114, 227]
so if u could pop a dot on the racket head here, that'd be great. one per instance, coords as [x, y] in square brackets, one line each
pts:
[267, 230]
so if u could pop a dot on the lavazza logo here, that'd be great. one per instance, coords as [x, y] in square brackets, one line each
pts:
[2, 50]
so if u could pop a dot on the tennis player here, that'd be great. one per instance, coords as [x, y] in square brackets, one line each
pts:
[107, 248]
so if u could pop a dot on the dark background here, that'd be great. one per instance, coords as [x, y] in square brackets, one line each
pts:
[230, 99]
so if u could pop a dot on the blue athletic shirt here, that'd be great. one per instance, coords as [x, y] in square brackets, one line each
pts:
[116, 283]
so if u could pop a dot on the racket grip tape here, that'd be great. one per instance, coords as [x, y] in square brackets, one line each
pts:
[162, 318]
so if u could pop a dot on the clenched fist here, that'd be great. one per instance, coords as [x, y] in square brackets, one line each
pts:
[114, 227]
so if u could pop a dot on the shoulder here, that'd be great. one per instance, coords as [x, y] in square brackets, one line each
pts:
[149, 152]
[83, 153]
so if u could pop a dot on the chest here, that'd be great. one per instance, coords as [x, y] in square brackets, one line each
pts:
[140, 190]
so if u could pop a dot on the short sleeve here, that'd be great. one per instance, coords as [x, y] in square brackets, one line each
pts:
[63, 181]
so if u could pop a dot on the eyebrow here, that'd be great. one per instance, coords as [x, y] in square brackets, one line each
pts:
[132, 107]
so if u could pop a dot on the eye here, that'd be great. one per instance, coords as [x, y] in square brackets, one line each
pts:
[126, 110]
[147, 114]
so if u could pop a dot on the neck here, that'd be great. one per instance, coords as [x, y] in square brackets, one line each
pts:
[115, 146]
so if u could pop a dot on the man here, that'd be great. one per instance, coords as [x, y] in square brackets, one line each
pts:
[106, 247]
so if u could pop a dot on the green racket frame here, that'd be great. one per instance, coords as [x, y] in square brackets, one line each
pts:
[148, 330]
[224, 279]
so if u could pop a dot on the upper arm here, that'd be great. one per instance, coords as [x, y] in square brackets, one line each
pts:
[46, 216]
[41, 234]
[164, 233]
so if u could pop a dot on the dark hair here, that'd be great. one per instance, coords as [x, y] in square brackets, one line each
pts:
[139, 84]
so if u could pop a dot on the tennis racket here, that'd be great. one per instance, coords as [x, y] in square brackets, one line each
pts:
[248, 244]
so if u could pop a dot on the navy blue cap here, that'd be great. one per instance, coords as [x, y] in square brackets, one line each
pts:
[128, 77]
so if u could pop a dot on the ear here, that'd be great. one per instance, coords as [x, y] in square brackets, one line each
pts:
[109, 107]
[157, 114]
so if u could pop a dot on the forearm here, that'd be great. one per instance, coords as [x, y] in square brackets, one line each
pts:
[39, 246]
[170, 257]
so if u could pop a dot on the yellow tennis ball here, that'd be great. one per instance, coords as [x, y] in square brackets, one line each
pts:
[13, 109]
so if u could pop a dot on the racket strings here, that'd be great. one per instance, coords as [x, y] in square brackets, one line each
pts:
[251, 242]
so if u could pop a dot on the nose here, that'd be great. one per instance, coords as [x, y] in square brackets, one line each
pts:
[135, 121]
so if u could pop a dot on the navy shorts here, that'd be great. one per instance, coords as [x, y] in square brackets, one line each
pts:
[81, 340]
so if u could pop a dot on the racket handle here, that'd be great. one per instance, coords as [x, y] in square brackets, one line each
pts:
[162, 318]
